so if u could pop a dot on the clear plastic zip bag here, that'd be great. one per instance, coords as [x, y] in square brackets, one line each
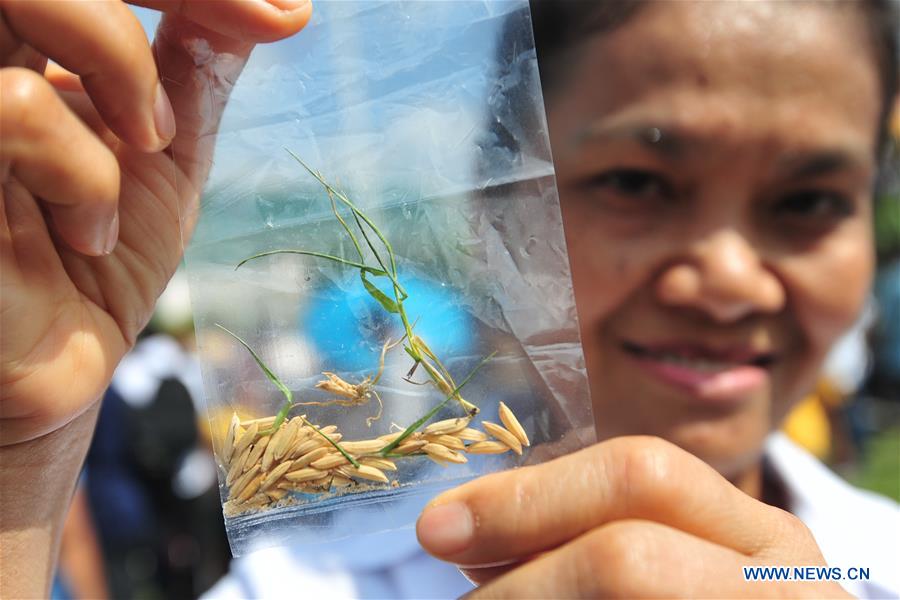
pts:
[379, 273]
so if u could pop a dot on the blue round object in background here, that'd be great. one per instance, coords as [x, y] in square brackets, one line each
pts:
[348, 327]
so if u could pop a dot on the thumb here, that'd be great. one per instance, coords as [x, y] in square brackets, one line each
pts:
[199, 61]
[198, 69]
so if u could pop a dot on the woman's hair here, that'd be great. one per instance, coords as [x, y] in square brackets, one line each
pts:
[561, 25]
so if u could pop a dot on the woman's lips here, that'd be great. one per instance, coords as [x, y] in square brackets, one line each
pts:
[721, 376]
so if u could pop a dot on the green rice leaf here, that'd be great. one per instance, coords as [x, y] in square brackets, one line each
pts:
[430, 414]
[386, 303]
[365, 268]
[288, 395]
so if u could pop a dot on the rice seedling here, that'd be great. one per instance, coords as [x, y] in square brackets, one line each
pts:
[268, 458]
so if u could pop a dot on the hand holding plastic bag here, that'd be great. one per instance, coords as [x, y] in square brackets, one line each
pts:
[78, 288]
[379, 275]
[91, 225]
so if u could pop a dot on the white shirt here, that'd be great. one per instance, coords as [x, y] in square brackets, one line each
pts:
[854, 528]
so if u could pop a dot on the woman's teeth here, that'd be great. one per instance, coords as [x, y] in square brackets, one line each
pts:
[697, 364]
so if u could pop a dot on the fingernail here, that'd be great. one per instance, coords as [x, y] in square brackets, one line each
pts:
[446, 529]
[112, 236]
[163, 117]
[288, 4]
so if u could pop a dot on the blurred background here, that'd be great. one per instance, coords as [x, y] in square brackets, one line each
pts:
[147, 523]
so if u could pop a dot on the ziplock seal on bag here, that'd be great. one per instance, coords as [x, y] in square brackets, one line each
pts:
[379, 274]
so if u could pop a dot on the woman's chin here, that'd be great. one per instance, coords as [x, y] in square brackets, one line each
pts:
[729, 441]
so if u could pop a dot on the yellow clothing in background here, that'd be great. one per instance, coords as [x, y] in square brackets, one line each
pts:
[808, 424]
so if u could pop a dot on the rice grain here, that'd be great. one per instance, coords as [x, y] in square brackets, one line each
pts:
[256, 453]
[246, 438]
[503, 435]
[444, 453]
[237, 466]
[487, 447]
[512, 424]
[307, 474]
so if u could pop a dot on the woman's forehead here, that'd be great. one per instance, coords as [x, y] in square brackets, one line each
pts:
[728, 66]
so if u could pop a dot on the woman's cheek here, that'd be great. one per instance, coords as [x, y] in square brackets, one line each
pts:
[827, 288]
[601, 269]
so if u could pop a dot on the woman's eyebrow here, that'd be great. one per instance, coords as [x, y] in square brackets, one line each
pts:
[675, 143]
[668, 142]
[827, 162]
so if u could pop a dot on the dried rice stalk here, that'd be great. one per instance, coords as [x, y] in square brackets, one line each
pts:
[384, 464]
[444, 453]
[503, 435]
[295, 458]
[487, 447]
[242, 482]
[307, 474]
[309, 457]
[257, 451]
[471, 435]
[451, 441]
[329, 462]
[237, 466]
[275, 475]
[228, 446]
[364, 446]
[447, 426]
[335, 385]
[246, 438]
[510, 421]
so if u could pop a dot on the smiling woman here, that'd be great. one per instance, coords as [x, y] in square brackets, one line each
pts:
[718, 211]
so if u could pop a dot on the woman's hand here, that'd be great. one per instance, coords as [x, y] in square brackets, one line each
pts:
[101, 169]
[631, 517]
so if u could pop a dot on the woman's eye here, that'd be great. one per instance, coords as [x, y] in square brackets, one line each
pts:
[631, 183]
[815, 205]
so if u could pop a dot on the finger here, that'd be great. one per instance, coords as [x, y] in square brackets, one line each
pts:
[199, 68]
[103, 42]
[516, 513]
[628, 559]
[56, 157]
[245, 20]
[482, 575]
[68, 87]
[16, 53]
[62, 79]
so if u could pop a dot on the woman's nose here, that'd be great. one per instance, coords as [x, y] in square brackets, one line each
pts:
[723, 276]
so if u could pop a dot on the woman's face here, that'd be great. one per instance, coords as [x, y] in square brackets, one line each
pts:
[715, 164]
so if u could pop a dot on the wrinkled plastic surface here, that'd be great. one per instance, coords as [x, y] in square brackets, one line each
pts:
[431, 119]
